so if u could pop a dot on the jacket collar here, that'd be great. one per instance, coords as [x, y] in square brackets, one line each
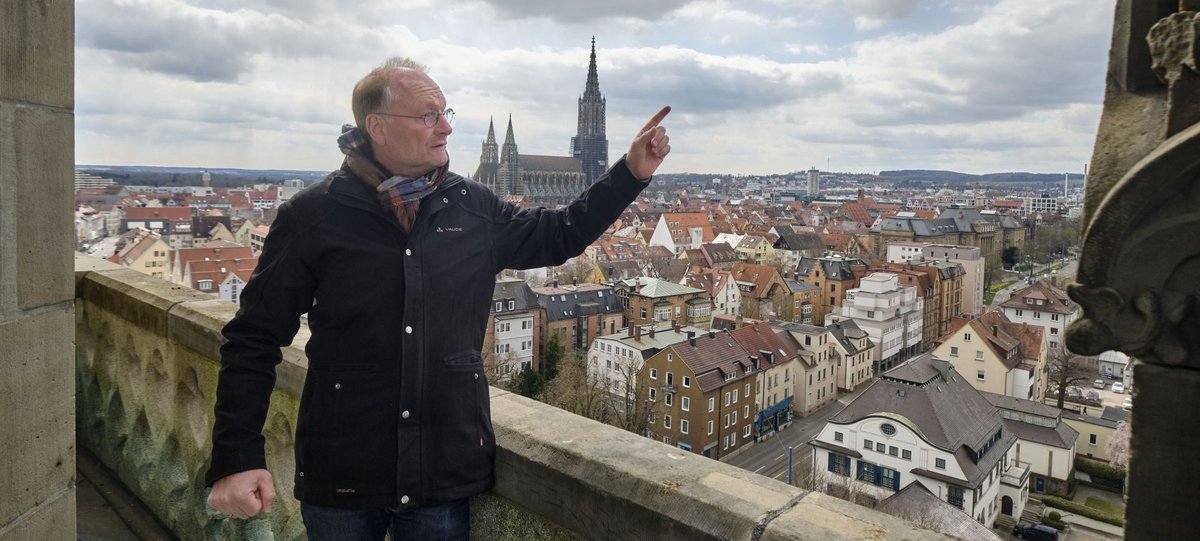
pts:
[346, 188]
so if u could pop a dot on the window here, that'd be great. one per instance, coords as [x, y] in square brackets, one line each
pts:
[735, 396]
[685, 404]
[839, 464]
[955, 497]
[1092, 439]
[888, 429]
[893, 450]
[687, 382]
[868, 445]
[954, 351]
[667, 420]
[747, 393]
[979, 375]
[652, 393]
[978, 355]
[683, 426]
[746, 431]
[1053, 317]
[670, 378]
[653, 373]
[710, 428]
[746, 412]
[512, 305]
[906, 454]
[837, 436]
[880, 447]
[726, 398]
[712, 404]
[204, 285]
[667, 399]
[939, 463]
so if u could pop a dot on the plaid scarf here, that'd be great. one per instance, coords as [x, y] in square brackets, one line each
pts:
[399, 196]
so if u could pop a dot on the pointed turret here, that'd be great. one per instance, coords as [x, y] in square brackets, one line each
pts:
[491, 153]
[508, 137]
[592, 89]
[491, 136]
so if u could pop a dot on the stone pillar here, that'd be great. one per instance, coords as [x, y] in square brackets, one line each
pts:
[37, 386]
[1139, 275]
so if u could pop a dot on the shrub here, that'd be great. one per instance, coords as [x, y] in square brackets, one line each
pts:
[1054, 515]
[1083, 510]
[1056, 524]
[1105, 476]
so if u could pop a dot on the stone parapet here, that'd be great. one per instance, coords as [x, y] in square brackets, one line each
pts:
[146, 370]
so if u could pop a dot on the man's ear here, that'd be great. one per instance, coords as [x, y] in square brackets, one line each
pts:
[375, 132]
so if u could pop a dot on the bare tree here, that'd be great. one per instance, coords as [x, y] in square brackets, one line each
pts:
[1066, 369]
[1118, 445]
[575, 271]
[572, 390]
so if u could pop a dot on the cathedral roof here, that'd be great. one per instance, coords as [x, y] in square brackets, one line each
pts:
[533, 162]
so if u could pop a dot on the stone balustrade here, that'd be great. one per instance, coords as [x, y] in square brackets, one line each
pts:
[146, 372]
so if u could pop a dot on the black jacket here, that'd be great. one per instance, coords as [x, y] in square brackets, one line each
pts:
[395, 409]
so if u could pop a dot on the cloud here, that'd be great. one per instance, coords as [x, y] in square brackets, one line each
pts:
[577, 12]
[872, 14]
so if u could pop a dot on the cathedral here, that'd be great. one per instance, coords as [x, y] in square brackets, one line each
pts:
[550, 180]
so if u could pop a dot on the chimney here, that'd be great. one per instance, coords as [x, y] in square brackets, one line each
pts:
[637, 333]
[629, 330]
[691, 338]
[712, 333]
[675, 326]
[738, 322]
[652, 331]
[1054, 280]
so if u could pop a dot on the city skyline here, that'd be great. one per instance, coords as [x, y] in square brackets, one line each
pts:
[757, 87]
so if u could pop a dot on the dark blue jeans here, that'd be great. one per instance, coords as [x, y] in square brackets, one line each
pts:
[443, 522]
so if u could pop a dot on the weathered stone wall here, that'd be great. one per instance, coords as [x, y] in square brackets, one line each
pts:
[146, 363]
[37, 465]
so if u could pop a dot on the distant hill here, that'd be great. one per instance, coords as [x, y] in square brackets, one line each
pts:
[924, 175]
[143, 175]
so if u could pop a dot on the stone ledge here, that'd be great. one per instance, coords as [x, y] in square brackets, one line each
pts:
[138, 298]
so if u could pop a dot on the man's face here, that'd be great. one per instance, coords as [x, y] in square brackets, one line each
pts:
[404, 145]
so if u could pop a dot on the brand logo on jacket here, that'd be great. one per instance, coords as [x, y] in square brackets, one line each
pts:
[453, 229]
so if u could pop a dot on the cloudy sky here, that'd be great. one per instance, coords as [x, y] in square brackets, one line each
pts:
[757, 86]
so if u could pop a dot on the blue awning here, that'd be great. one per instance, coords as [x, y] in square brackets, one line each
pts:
[763, 415]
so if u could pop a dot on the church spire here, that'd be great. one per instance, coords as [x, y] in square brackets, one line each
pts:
[491, 136]
[593, 80]
[508, 137]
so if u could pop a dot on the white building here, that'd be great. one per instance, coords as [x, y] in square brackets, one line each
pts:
[855, 351]
[891, 313]
[615, 360]
[1044, 441]
[921, 423]
[1044, 305]
[814, 182]
[967, 256]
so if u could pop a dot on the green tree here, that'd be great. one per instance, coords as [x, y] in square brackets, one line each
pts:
[552, 354]
[528, 382]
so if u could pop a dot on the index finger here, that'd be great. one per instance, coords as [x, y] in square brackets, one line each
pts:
[662, 113]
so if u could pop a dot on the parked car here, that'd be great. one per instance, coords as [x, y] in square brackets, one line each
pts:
[1118, 387]
[1099, 384]
[1127, 403]
[1074, 392]
[1036, 532]
[1093, 395]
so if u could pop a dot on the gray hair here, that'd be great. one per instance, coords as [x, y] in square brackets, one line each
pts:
[372, 92]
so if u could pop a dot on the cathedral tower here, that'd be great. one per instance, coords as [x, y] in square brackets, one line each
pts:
[509, 178]
[590, 144]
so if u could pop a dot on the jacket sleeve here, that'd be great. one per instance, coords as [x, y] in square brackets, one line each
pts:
[539, 237]
[279, 291]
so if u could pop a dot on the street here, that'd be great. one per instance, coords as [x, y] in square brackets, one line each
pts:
[1039, 272]
[769, 457]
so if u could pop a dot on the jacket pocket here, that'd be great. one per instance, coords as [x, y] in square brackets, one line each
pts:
[460, 432]
[467, 360]
[349, 435]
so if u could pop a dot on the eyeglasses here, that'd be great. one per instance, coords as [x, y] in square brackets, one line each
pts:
[430, 119]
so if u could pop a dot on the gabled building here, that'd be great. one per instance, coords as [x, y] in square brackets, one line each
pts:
[721, 288]
[1044, 441]
[805, 302]
[703, 395]
[515, 325]
[764, 293]
[816, 381]
[208, 275]
[794, 244]
[997, 355]
[1095, 431]
[755, 249]
[855, 352]
[773, 381]
[1046, 306]
[678, 231]
[218, 251]
[577, 314]
[143, 251]
[651, 300]
[835, 275]
[921, 422]
[987, 230]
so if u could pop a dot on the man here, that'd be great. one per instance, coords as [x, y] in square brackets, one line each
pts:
[394, 259]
